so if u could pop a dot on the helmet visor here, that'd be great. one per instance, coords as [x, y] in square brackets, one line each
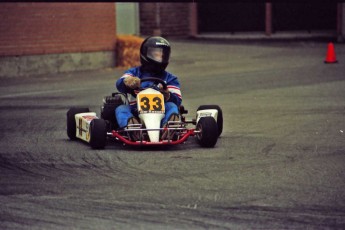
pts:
[157, 54]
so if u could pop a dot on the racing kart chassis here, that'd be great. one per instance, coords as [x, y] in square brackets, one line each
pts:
[87, 126]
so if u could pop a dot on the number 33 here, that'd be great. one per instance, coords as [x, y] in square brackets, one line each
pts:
[156, 103]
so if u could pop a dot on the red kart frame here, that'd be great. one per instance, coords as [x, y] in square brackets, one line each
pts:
[183, 137]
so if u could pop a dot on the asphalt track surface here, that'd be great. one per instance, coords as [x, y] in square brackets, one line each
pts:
[279, 163]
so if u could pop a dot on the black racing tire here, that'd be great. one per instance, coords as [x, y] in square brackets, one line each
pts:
[219, 117]
[208, 132]
[71, 125]
[98, 133]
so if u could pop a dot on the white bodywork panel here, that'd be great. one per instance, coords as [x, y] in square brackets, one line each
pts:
[206, 113]
[83, 121]
[151, 118]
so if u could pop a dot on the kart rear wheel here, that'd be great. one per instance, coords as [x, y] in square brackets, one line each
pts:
[98, 133]
[208, 132]
[71, 125]
[219, 117]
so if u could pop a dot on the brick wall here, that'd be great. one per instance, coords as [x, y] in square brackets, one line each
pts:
[174, 19]
[48, 28]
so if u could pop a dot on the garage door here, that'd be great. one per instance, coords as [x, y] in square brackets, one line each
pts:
[231, 17]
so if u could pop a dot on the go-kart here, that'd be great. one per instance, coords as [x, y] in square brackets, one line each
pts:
[87, 126]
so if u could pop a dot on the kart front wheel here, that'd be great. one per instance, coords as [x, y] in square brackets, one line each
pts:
[98, 133]
[71, 125]
[219, 116]
[207, 135]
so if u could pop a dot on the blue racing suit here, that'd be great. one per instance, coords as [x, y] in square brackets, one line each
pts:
[124, 112]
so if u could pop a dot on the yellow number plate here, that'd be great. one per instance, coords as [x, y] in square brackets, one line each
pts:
[151, 103]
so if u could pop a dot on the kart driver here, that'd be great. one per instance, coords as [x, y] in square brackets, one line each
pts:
[154, 58]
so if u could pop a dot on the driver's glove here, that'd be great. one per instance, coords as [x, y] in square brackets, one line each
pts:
[165, 92]
[132, 82]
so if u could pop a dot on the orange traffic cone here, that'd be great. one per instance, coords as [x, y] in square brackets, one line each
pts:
[330, 58]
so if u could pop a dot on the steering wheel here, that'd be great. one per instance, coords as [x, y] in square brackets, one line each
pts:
[155, 81]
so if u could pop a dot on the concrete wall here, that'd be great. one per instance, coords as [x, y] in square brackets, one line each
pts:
[27, 65]
[127, 18]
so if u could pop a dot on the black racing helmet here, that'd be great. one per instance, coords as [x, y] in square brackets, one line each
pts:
[155, 54]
